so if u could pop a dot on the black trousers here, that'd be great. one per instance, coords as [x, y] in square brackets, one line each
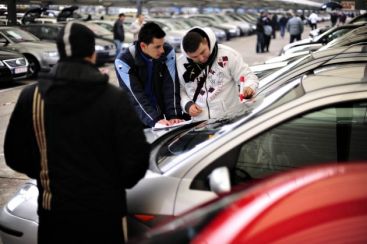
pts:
[86, 229]
[295, 38]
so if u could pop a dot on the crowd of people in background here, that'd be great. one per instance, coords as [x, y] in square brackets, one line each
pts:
[291, 22]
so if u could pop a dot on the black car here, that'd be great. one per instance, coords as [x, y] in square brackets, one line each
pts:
[12, 66]
[105, 48]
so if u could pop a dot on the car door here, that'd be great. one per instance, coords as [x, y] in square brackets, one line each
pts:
[298, 134]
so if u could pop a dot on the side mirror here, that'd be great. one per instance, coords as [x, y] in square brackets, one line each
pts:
[219, 180]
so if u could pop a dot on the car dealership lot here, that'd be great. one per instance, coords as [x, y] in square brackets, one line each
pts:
[10, 181]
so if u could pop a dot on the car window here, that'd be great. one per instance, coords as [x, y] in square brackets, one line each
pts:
[330, 134]
[50, 33]
[336, 34]
[18, 35]
[336, 133]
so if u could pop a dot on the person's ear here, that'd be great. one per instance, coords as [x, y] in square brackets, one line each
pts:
[143, 45]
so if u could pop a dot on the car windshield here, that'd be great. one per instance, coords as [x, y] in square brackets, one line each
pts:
[18, 35]
[329, 36]
[183, 141]
[354, 36]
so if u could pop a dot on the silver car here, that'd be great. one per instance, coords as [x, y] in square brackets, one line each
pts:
[313, 118]
[40, 54]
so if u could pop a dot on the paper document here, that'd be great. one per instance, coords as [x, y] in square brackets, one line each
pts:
[159, 126]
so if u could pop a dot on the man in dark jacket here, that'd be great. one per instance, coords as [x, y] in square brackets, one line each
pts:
[80, 138]
[147, 72]
[119, 33]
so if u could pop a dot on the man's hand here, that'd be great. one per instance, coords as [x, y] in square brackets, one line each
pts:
[248, 92]
[169, 122]
[175, 121]
[194, 110]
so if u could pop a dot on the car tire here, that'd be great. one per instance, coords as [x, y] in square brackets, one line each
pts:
[34, 66]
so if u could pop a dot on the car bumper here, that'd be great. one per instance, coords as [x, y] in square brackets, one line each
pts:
[15, 230]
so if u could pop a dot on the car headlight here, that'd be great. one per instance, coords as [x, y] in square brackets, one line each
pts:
[50, 54]
[26, 193]
[233, 30]
[1, 64]
[98, 48]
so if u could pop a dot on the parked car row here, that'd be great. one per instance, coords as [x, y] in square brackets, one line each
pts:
[40, 27]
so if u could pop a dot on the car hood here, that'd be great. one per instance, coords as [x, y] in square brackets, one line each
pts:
[103, 42]
[37, 46]
[227, 26]
[303, 48]
[9, 55]
[297, 43]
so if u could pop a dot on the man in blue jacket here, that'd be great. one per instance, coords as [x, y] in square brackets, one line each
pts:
[147, 72]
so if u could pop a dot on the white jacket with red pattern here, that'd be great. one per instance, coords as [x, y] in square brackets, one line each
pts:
[219, 96]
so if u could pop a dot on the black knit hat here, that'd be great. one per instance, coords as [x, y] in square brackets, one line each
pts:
[75, 40]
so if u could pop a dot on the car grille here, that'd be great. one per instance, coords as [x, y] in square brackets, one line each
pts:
[16, 62]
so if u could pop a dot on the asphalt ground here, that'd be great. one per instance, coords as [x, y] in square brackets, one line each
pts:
[10, 180]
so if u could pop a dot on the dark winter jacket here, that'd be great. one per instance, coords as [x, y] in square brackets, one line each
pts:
[133, 75]
[118, 30]
[95, 144]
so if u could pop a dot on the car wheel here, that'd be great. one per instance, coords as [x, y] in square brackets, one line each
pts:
[34, 66]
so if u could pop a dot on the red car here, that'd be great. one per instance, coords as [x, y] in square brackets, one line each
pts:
[324, 204]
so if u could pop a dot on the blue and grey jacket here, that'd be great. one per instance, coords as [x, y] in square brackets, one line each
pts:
[134, 75]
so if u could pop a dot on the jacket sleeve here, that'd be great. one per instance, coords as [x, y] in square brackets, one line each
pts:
[240, 68]
[20, 146]
[133, 149]
[129, 81]
[171, 88]
[134, 27]
[185, 98]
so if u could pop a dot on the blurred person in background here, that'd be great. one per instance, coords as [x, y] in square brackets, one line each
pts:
[136, 25]
[282, 24]
[294, 27]
[83, 143]
[274, 25]
[119, 33]
[333, 18]
[260, 36]
[342, 18]
[214, 79]
[147, 72]
[312, 19]
[268, 31]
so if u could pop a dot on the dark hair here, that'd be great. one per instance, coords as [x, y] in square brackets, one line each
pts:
[121, 15]
[191, 41]
[149, 31]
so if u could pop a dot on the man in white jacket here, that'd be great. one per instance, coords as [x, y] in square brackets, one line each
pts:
[214, 80]
[136, 25]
